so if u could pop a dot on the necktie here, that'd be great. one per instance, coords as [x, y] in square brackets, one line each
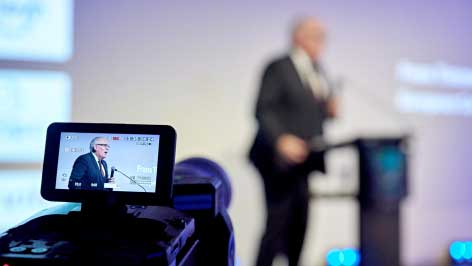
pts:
[317, 83]
[102, 170]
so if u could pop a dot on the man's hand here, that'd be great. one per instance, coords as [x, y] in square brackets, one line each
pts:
[332, 107]
[292, 149]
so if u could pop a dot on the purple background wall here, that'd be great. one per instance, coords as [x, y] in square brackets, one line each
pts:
[197, 66]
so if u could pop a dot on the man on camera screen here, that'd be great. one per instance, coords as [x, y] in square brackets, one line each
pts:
[90, 170]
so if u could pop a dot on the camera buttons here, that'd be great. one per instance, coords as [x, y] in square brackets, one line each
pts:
[17, 249]
[39, 250]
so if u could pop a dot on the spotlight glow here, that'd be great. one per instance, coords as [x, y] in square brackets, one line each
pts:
[344, 257]
[468, 250]
[461, 251]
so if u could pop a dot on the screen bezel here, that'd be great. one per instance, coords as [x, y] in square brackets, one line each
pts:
[165, 165]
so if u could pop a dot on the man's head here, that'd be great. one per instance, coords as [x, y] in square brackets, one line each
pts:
[100, 147]
[309, 35]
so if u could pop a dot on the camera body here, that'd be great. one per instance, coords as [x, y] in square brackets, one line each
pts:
[146, 218]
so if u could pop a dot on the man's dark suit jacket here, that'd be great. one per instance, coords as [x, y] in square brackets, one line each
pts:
[284, 105]
[86, 172]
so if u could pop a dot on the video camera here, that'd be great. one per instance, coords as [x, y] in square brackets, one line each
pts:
[127, 204]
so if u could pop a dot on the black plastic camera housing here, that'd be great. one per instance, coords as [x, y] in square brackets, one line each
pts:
[179, 218]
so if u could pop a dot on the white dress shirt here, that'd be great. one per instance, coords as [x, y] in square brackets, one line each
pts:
[309, 76]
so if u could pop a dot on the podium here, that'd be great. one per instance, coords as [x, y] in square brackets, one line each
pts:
[382, 187]
[383, 171]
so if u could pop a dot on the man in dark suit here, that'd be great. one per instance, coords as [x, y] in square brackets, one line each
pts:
[295, 99]
[90, 171]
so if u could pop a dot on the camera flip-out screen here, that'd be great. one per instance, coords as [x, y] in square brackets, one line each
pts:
[132, 164]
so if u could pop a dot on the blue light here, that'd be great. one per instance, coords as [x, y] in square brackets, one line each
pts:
[457, 250]
[345, 257]
[468, 250]
[351, 257]
[334, 257]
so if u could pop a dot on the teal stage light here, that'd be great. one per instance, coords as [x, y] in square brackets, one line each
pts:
[461, 252]
[343, 257]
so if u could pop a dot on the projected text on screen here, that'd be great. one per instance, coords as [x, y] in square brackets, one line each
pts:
[29, 102]
[36, 30]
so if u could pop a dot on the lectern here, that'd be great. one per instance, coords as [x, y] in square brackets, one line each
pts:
[383, 171]
[382, 187]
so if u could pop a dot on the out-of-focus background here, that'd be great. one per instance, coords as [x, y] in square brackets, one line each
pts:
[402, 67]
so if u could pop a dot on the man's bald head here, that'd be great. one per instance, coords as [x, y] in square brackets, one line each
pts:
[309, 35]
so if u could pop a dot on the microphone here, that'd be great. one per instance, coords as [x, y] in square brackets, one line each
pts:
[113, 169]
[319, 144]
